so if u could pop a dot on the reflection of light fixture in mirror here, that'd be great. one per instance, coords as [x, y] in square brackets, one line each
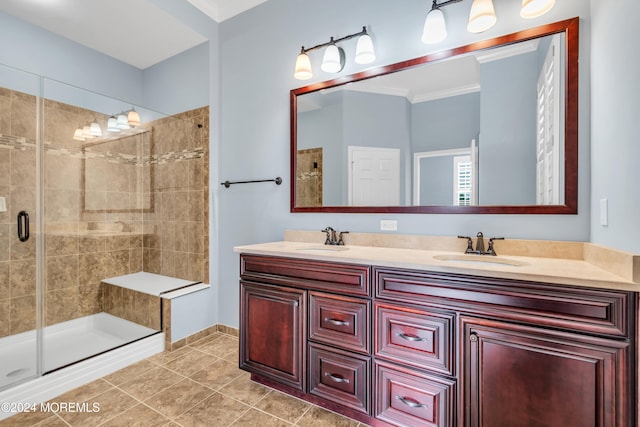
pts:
[86, 132]
[482, 16]
[95, 129]
[535, 8]
[303, 67]
[133, 118]
[334, 57]
[122, 122]
[112, 124]
[78, 135]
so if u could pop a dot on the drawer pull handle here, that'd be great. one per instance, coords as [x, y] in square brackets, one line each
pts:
[336, 378]
[409, 337]
[337, 322]
[410, 402]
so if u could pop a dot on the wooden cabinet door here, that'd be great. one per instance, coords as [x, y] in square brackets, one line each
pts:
[515, 375]
[272, 333]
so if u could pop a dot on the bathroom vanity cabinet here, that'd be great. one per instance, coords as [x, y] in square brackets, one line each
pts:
[403, 347]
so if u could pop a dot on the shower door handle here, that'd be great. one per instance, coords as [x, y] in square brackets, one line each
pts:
[23, 226]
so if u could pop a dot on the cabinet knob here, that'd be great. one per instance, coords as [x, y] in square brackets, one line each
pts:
[410, 337]
[336, 378]
[473, 337]
[411, 402]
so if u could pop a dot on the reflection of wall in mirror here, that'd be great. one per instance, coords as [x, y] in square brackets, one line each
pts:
[354, 119]
[507, 167]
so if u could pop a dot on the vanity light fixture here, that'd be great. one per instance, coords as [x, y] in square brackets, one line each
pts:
[482, 16]
[435, 28]
[334, 57]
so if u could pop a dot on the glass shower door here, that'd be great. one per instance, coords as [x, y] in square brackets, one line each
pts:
[19, 237]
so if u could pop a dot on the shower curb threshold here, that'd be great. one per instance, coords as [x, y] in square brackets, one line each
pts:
[49, 386]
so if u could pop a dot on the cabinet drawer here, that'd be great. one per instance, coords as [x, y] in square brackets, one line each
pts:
[350, 279]
[577, 308]
[340, 377]
[416, 337]
[411, 398]
[340, 321]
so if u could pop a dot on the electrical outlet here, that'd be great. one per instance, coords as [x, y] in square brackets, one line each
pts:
[388, 225]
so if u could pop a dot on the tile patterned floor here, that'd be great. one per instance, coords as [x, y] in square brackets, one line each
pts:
[197, 385]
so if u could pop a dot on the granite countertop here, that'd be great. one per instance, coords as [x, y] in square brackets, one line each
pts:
[568, 271]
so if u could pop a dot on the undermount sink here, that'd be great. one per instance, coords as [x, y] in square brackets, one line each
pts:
[322, 248]
[486, 260]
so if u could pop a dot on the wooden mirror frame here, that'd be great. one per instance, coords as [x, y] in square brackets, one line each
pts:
[569, 27]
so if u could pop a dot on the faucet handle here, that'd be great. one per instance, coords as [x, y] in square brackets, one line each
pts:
[490, 249]
[469, 244]
[329, 232]
[340, 239]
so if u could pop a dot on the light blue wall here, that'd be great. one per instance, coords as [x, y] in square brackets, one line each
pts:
[180, 83]
[615, 128]
[258, 52]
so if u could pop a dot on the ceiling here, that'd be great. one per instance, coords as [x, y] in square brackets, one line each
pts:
[143, 35]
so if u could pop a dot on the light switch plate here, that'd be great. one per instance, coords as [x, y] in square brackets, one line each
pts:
[604, 212]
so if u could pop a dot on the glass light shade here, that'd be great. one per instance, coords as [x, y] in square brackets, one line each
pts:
[333, 59]
[122, 122]
[482, 16]
[133, 118]
[112, 124]
[303, 67]
[535, 8]
[78, 136]
[95, 129]
[364, 50]
[435, 29]
[86, 132]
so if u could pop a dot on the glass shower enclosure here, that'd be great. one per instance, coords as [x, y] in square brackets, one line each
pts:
[75, 189]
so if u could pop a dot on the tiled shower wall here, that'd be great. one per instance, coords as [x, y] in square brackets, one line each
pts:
[102, 202]
[176, 243]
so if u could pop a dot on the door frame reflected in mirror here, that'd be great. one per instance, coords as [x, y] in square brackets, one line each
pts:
[570, 29]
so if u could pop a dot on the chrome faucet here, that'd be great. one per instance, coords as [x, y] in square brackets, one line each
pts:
[333, 237]
[479, 250]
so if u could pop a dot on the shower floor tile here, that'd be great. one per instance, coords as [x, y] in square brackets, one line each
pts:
[168, 390]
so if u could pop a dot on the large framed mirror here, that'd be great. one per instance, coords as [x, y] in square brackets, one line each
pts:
[490, 127]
